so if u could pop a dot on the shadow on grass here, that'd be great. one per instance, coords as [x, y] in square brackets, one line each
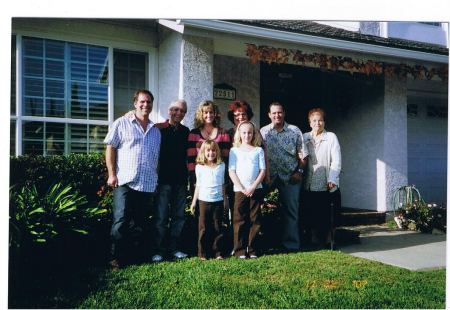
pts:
[56, 288]
[49, 278]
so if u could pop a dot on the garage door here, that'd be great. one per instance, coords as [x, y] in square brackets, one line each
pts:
[427, 146]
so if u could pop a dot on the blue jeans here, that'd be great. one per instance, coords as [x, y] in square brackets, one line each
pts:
[130, 218]
[170, 203]
[289, 197]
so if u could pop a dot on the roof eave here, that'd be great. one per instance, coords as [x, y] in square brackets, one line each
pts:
[234, 28]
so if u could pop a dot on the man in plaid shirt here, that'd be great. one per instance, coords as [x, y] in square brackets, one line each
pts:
[132, 154]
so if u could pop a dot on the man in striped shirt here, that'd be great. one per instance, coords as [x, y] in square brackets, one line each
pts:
[132, 154]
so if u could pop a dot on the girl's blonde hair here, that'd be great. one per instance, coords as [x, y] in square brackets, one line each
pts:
[201, 158]
[198, 120]
[256, 140]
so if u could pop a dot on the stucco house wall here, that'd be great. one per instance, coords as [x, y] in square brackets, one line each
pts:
[392, 169]
[372, 131]
[197, 73]
[361, 136]
[245, 77]
[170, 53]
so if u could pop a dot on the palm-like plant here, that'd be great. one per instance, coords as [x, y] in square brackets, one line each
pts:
[40, 218]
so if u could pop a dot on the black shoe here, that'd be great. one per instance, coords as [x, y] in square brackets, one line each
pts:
[288, 251]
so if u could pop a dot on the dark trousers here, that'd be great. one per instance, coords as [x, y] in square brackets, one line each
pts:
[210, 232]
[290, 200]
[246, 221]
[317, 212]
[170, 203]
[131, 211]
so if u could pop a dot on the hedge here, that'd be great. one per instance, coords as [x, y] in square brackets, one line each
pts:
[87, 175]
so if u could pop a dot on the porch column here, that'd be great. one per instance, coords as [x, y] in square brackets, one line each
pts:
[392, 168]
[196, 73]
[169, 70]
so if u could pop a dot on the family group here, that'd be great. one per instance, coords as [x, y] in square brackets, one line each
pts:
[152, 167]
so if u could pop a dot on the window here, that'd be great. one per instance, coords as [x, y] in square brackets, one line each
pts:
[86, 138]
[65, 79]
[129, 75]
[59, 138]
[64, 94]
[13, 75]
[430, 23]
[12, 130]
[69, 82]
[12, 138]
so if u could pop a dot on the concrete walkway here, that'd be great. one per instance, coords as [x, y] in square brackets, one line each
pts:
[406, 249]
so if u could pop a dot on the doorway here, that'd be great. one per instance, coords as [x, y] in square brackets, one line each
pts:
[300, 89]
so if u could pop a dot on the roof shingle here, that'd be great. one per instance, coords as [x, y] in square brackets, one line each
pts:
[320, 30]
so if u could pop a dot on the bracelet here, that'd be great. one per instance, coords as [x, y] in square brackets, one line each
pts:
[300, 170]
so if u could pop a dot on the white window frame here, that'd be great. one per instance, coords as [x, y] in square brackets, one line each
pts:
[152, 82]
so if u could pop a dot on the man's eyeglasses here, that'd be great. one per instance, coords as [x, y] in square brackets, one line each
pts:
[177, 109]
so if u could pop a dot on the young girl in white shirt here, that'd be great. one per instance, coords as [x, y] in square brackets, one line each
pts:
[210, 193]
[247, 170]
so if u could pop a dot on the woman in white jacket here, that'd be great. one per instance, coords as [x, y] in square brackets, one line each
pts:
[322, 176]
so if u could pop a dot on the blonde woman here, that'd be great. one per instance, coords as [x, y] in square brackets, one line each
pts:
[207, 127]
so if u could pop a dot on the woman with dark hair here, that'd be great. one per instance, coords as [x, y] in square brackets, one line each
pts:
[322, 175]
[238, 112]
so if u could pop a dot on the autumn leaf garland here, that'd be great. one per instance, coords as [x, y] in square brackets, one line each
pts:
[282, 55]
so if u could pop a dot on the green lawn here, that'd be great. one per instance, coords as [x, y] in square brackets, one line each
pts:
[322, 279]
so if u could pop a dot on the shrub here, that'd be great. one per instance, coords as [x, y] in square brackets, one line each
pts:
[271, 202]
[85, 173]
[39, 218]
[422, 216]
[31, 180]
[412, 212]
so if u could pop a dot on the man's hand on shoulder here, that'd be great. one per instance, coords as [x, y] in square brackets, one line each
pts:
[162, 125]
[129, 114]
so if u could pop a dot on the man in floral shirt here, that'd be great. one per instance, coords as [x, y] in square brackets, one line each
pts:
[287, 157]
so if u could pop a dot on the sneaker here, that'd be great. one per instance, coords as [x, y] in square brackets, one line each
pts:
[157, 258]
[219, 257]
[115, 265]
[202, 258]
[242, 257]
[253, 256]
[179, 255]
